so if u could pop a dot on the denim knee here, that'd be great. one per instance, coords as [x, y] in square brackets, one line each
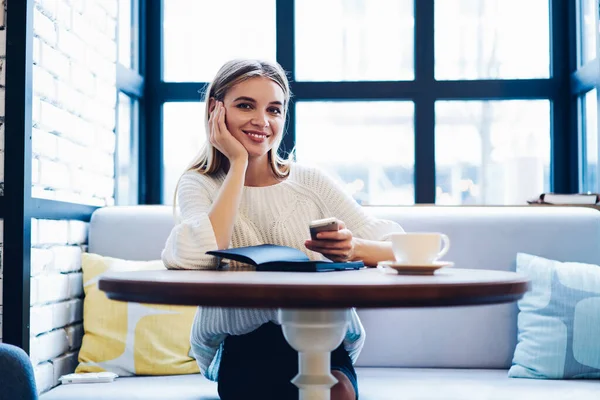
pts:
[16, 374]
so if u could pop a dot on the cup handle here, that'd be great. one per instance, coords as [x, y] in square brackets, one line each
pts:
[446, 247]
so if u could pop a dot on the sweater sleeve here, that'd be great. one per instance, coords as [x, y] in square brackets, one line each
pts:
[342, 206]
[193, 235]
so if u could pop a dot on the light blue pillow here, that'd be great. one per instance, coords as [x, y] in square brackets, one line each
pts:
[559, 320]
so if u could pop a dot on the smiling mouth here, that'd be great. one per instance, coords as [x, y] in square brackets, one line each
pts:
[256, 135]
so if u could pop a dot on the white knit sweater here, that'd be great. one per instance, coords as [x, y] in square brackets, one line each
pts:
[278, 214]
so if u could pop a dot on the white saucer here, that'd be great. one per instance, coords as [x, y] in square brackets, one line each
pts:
[414, 269]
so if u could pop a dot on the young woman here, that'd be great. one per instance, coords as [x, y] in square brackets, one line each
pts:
[240, 192]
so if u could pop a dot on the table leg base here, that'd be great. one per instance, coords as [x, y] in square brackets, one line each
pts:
[314, 334]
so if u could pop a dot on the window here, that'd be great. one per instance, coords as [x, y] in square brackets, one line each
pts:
[366, 40]
[492, 39]
[589, 162]
[125, 29]
[196, 42]
[126, 156]
[491, 152]
[183, 136]
[368, 146]
[589, 30]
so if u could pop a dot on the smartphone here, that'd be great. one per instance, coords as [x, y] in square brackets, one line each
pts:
[90, 377]
[322, 225]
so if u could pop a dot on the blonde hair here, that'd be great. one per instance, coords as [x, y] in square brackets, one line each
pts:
[209, 160]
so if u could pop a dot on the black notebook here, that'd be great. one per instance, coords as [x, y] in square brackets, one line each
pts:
[270, 257]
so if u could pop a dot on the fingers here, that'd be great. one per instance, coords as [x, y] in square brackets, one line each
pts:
[342, 234]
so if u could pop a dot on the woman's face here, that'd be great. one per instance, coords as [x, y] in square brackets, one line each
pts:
[254, 114]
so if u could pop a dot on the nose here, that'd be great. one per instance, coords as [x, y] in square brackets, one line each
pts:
[260, 119]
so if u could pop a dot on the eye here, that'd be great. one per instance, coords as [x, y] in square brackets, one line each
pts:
[244, 106]
[275, 110]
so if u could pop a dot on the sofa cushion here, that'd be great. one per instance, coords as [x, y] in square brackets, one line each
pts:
[559, 320]
[174, 387]
[374, 384]
[132, 338]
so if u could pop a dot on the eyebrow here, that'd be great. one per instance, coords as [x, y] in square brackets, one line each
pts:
[250, 99]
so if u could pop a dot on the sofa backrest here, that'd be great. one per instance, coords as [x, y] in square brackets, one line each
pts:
[481, 238]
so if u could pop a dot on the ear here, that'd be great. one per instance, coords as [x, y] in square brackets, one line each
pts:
[212, 102]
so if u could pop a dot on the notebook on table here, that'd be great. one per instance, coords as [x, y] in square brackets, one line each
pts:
[270, 257]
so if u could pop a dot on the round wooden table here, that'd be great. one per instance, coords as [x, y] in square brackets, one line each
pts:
[315, 307]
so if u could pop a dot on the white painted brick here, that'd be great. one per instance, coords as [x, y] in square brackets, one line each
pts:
[78, 232]
[44, 27]
[44, 376]
[34, 232]
[66, 313]
[3, 72]
[54, 61]
[51, 288]
[40, 318]
[111, 7]
[36, 105]
[54, 174]
[100, 66]
[106, 93]
[71, 153]
[48, 346]
[65, 364]
[64, 14]
[54, 118]
[71, 45]
[36, 51]
[78, 5]
[71, 99]
[41, 260]
[101, 163]
[111, 28]
[3, 41]
[2, 99]
[2, 135]
[44, 83]
[97, 16]
[50, 7]
[83, 79]
[44, 143]
[52, 231]
[35, 171]
[75, 285]
[75, 336]
[2, 16]
[107, 48]
[66, 258]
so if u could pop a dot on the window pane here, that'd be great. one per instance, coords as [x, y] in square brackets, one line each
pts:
[350, 40]
[491, 152]
[183, 134]
[368, 146]
[489, 39]
[199, 36]
[589, 30]
[125, 26]
[127, 154]
[590, 132]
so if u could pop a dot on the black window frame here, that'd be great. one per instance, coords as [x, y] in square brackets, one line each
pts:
[424, 91]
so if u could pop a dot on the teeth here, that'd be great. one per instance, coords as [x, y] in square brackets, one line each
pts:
[256, 135]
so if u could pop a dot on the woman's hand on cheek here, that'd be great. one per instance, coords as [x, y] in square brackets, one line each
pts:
[337, 245]
[222, 139]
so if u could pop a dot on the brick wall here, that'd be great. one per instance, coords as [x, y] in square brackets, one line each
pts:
[73, 144]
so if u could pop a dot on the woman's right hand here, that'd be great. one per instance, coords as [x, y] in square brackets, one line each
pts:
[222, 139]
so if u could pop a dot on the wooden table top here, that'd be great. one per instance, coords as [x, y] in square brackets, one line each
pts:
[365, 288]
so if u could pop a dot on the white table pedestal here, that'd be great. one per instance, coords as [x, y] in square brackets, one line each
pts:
[314, 334]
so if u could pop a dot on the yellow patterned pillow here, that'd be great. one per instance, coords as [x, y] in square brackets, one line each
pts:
[132, 338]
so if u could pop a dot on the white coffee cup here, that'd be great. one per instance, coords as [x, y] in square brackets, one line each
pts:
[418, 248]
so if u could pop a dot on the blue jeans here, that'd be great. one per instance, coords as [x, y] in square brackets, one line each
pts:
[16, 374]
